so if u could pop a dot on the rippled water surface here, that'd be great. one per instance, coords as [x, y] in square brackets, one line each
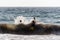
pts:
[43, 14]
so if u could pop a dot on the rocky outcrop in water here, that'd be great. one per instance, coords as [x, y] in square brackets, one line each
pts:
[29, 29]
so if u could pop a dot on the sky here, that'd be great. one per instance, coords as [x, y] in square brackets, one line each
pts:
[29, 3]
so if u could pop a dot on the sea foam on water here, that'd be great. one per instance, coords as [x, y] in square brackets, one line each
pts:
[24, 20]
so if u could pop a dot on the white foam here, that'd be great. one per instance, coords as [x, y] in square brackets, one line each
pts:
[29, 37]
[24, 20]
[17, 20]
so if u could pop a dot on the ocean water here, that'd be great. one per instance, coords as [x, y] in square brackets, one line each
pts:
[42, 14]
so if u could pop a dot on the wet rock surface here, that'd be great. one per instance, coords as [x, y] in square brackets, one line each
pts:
[29, 29]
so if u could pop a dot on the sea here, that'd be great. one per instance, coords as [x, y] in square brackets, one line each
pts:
[42, 14]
